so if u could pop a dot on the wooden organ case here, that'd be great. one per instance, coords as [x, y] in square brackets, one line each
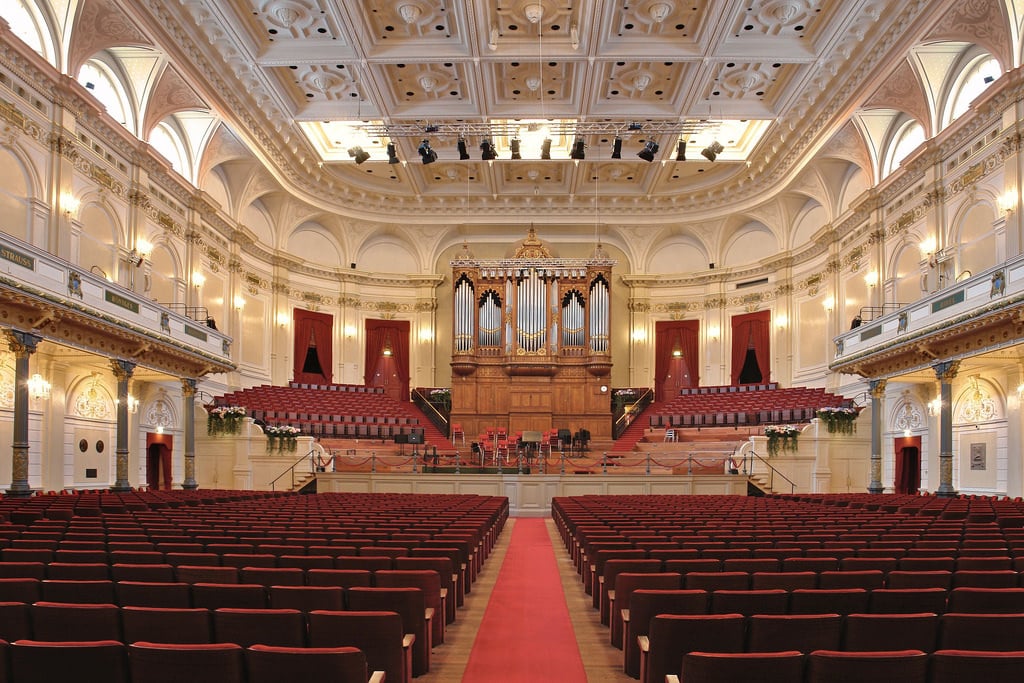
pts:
[532, 346]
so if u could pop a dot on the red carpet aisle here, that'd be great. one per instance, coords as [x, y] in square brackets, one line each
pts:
[526, 634]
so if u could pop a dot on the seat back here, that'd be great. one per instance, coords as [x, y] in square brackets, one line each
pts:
[195, 663]
[830, 666]
[92, 661]
[166, 625]
[269, 664]
[673, 635]
[722, 667]
[378, 634]
[280, 627]
[803, 632]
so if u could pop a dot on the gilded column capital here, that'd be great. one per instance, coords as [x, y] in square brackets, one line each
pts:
[946, 371]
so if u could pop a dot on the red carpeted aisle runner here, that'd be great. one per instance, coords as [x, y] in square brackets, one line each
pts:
[526, 634]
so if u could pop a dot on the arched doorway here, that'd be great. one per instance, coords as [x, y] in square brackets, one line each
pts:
[158, 461]
[907, 471]
[677, 357]
[750, 348]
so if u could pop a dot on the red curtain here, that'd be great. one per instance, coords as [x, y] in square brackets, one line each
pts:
[755, 329]
[318, 327]
[672, 335]
[393, 334]
[907, 477]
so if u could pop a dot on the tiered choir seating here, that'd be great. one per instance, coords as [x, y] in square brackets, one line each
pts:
[745, 404]
[245, 584]
[834, 581]
[328, 410]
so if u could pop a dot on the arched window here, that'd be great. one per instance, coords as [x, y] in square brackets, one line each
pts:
[166, 140]
[27, 23]
[98, 78]
[980, 73]
[908, 138]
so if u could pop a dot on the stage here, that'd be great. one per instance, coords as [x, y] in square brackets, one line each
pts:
[529, 494]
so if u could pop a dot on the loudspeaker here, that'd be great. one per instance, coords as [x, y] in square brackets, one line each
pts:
[415, 437]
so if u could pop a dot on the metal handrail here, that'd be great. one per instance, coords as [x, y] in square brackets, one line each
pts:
[291, 469]
[748, 470]
[439, 419]
[624, 415]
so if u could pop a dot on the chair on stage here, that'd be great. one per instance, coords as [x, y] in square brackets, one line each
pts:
[458, 434]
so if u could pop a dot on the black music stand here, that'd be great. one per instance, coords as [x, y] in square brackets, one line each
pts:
[531, 443]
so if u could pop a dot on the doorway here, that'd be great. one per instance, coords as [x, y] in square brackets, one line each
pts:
[158, 461]
[907, 473]
[676, 362]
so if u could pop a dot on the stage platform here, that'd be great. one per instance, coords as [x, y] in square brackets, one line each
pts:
[529, 494]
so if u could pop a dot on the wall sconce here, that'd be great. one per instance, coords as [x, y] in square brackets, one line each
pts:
[781, 321]
[133, 403]
[143, 248]
[871, 278]
[387, 351]
[1007, 201]
[639, 334]
[350, 331]
[38, 388]
[935, 406]
[829, 305]
[426, 334]
[283, 319]
[714, 331]
[676, 353]
[239, 302]
[69, 204]
[159, 429]
[198, 279]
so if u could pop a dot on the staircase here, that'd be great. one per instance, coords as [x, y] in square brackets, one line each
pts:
[432, 436]
[635, 431]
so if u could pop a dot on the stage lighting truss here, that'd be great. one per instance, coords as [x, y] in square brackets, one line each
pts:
[509, 129]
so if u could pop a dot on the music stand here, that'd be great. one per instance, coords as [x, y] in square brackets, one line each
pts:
[531, 440]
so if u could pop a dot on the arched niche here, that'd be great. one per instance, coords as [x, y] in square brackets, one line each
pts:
[311, 242]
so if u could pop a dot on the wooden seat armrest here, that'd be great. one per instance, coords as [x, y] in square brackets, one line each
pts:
[644, 643]
[671, 678]
[611, 596]
[408, 640]
[428, 614]
[444, 593]
[625, 615]
[376, 677]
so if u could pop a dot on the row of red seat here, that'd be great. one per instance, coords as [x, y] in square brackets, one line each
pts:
[110, 661]
[750, 553]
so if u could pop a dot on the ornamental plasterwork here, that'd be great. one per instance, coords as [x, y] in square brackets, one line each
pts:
[969, 178]
[160, 412]
[908, 416]
[907, 218]
[977, 404]
[7, 376]
[94, 402]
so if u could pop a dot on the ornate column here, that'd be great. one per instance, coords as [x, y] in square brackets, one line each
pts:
[876, 388]
[188, 391]
[123, 370]
[945, 372]
[23, 345]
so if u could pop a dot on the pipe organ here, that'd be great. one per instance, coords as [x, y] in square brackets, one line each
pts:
[531, 340]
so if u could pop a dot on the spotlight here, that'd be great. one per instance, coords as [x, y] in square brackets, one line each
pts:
[429, 156]
[359, 154]
[514, 146]
[545, 149]
[681, 150]
[649, 150]
[431, 129]
[487, 152]
[617, 148]
[392, 153]
[463, 153]
[578, 150]
[712, 151]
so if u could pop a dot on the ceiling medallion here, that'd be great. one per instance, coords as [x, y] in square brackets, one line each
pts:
[659, 11]
[534, 12]
[410, 13]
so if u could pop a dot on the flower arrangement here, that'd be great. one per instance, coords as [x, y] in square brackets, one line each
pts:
[838, 420]
[225, 420]
[781, 438]
[283, 437]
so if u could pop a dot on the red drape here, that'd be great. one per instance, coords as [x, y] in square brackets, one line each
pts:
[907, 478]
[670, 335]
[318, 326]
[752, 328]
[395, 335]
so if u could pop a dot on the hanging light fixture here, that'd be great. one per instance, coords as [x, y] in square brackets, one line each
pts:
[38, 388]
[649, 150]
[358, 154]
[463, 152]
[545, 149]
[392, 153]
[428, 155]
[514, 147]
[487, 152]
[617, 148]
[712, 151]
[681, 150]
[578, 149]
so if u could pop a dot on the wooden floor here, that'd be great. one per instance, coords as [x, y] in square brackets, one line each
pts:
[602, 662]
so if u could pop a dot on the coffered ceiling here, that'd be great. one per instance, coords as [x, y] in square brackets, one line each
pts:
[770, 80]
